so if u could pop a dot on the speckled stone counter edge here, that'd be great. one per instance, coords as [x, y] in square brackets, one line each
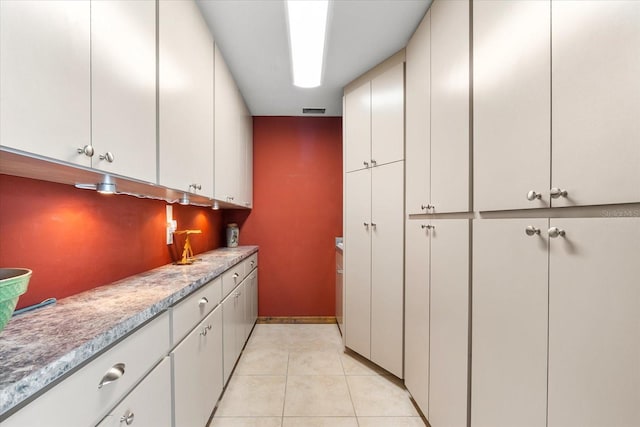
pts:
[31, 380]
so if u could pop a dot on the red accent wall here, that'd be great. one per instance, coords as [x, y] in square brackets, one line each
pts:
[75, 240]
[297, 213]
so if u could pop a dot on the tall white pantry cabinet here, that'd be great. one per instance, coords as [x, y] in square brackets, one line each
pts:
[374, 194]
[516, 312]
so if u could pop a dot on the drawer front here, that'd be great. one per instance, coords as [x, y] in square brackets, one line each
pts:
[149, 404]
[79, 400]
[232, 278]
[188, 313]
[250, 264]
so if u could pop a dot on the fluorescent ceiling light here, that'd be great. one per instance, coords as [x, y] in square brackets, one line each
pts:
[307, 27]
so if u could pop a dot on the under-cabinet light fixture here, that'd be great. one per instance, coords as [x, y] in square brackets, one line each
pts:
[107, 186]
[184, 200]
[307, 21]
[215, 206]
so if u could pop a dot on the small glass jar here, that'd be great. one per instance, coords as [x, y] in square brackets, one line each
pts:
[233, 235]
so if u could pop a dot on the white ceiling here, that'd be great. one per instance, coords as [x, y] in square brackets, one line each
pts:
[252, 36]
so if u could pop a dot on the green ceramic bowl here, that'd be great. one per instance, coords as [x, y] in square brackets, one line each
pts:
[13, 283]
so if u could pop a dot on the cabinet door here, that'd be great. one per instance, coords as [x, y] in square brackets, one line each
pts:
[509, 318]
[123, 87]
[229, 334]
[357, 258]
[511, 103]
[246, 192]
[387, 116]
[227, 149]
[387, 266]
[418, 118]
[450, 106]
[241, 317]
[149, 404]
[416, 312]
[185, 97]
[449, 323]
[596, 101]
[197, 372]
[45, 61]
[594, 301]
[357, 128]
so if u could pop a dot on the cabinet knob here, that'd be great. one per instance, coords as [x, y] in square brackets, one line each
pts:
[87, 150]
[555, 232]
[425, 207]
[108, 156]
[366, 224]
[427, 226]
[557, 192]
[113, 374]
[531, 230]
[195, 187]
[373, 162]
[373, 225]
[203, 301]
[127, 418]
[235, 276]
[532, 195]
[366, 164]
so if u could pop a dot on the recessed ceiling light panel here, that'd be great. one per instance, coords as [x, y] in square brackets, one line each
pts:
[307, 29]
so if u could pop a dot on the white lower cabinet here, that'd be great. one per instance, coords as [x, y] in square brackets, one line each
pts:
[416, 312]
[594, 306]
[437, 318]
[510, 313]
[581, 276]
[197, 370]
[449, 323]
[374, 264]
[233, 309]
[149, 404]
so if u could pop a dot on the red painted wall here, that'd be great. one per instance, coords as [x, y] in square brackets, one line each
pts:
[297, 195]
[75, 240]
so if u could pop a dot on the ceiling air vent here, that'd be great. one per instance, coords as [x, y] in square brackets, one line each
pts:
[313, 110]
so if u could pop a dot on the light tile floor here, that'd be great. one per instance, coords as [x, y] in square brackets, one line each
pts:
[301, 376]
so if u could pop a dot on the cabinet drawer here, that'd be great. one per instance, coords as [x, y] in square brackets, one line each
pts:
[80, 400]
[250, 263]
[189, 312]
[232, 278]
[149, 404]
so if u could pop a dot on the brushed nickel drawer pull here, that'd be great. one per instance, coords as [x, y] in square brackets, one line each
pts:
[113, 374]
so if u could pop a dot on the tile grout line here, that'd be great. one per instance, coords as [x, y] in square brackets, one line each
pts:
[344, 372]
[286, 381]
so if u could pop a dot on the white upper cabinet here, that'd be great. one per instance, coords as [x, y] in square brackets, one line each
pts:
[45, 78]
[511, 104]
[185, 49]
[357, 128]
[374, 121]
[233, 139]
[556, 103]
[596, 101]
[387, 116]
[450, 136]
[123, 86]
[418, 118]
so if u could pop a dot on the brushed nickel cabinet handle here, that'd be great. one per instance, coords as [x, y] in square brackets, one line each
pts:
[113, 374]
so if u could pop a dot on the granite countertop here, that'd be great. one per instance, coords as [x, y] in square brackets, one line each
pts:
[39, 347]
